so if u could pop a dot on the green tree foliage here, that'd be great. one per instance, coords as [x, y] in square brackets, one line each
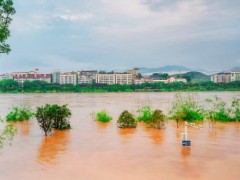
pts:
[12, 86]
[163, 76]
[157, 120]
[20, 113]
[186, 108]
[53, 116]
[126, 120]
[103, 116]
[44, 118]
[144, 114]
[6, 11]
[7, 134]
[60, 115]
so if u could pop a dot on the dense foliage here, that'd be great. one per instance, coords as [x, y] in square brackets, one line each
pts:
[60, 115]
[53, 116]
[12, 86]
[144, 114]
[6, 134]
[102, 116]
[7, 10]
[19, 113]
[236, 109]
[126, 120]
[186, 108]
[157, 120]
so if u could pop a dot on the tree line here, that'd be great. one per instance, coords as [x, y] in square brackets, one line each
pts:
[11, 86]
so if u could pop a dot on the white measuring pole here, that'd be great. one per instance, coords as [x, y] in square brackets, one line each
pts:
[186, 131]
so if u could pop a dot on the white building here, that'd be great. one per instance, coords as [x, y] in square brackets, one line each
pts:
[235, 76]
[5, 76]
[86, 77]
[224, 77]
[68, 78]
[115, 78]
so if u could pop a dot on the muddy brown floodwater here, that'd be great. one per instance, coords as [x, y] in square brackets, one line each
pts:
[92, 150]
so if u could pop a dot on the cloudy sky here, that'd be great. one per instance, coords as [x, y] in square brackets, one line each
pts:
[119, 34]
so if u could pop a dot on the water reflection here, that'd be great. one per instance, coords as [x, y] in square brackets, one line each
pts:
[186, 151]
[53, 146]
[101, 125]
[23, 128]
[156, 135]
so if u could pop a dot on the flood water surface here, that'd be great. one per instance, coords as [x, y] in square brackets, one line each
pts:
[92, 150]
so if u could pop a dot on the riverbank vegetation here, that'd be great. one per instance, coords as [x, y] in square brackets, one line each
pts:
[103, 116]
[19, 113]
[11, 86]
[144, 114]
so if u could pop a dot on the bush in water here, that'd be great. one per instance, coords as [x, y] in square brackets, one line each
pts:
[53, 116]
[157, 120]
[102, 116]
[126, 120]
[19, 113]
[145, 113]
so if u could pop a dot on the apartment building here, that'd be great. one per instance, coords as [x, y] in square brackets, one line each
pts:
[116, 78]
[56, 76]
[105, 78]
[235, 76]
[68, 78]
[31, 76]
[134, 72]
[224, 77]
[86, 77]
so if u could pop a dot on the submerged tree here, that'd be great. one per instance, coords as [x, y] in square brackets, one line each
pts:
[44, 118]
[6, 11]
[126, 120]
[53, 117]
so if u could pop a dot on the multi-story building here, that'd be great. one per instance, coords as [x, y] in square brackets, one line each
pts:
[56, 76]
[5, 76]
[116, 78]
[224, 77]
[68, 78]
[134, 72]
[86, 77]
[31, 76]
[235, 76]
[124, 78]
[105, 78]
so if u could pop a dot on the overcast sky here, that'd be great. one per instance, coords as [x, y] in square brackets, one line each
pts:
[120, 34]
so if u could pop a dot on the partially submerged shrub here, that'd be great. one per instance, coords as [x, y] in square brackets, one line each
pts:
[6, 134]
[102, 116]
[236, 109]
[19, 113]
[53, 116]
[157, 120]
[217, 110]
[145, 113]
[186, 108]
[126, 120]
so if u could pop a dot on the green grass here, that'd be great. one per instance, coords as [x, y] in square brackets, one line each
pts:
[144, 114]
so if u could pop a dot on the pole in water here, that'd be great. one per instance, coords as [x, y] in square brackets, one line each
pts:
[185, 141]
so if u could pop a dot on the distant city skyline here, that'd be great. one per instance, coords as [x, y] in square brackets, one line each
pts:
[113, 34]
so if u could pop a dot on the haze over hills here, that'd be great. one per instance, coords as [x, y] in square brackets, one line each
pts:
[174, 70]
